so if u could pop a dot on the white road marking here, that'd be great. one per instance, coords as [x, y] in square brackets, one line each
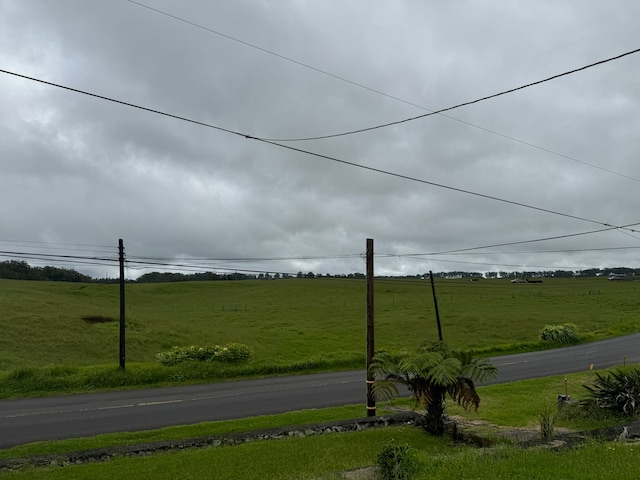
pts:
[166, 402]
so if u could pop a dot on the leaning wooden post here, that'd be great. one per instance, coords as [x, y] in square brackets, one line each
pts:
[371, 400]
[122, 305]
[435, 304]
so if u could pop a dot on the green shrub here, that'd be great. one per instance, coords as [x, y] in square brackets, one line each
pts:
[561, 334]
[398, 462]
[617, 391]
[234, 353]
[231, 353]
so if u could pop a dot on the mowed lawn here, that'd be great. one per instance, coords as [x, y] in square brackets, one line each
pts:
[297, 319]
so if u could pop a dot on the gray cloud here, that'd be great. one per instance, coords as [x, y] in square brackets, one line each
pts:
[82, 171]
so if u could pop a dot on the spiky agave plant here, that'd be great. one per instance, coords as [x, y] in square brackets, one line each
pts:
[431, 373]
[618, 391]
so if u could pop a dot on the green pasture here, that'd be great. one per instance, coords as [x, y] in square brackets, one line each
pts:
[294, 320]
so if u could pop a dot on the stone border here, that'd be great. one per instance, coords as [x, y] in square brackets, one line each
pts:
[146, 449]
[305, 430]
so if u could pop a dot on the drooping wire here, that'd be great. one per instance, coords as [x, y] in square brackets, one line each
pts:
[378, 92]
[520, 242]
[326, 157]
[464, 104]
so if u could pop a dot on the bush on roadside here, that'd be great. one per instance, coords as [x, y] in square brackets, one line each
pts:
[231, 353]
[617, 391]
[560, 334]
[398, 462]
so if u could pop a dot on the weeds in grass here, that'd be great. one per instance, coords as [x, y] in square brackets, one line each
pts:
[397, 462]
[547, 425]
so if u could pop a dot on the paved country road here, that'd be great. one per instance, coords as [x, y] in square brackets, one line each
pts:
[29, 420]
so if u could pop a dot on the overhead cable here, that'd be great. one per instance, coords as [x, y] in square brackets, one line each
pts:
[326, 157]
[378, 92]
[520, 242]
[47, 256]
[464, 104]
[566, 250]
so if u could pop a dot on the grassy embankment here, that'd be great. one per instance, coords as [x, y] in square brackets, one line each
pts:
[292, 325]
[322, 458]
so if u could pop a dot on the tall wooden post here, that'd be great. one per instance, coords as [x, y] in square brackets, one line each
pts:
[122, 304]
[371, 400]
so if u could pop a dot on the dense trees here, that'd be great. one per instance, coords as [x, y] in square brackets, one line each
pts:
[19, 270]
[159, 277]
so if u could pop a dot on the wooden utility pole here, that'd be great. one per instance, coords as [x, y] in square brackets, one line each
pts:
[435, 303]
[371, 400]
[122, 305]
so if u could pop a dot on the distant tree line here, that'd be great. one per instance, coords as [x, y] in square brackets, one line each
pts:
[20, 270]
[160, 277]
[17, 270]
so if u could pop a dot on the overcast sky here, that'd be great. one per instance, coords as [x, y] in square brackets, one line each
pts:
[79, 172]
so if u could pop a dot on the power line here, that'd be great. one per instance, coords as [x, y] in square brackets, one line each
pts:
[188, 266]
[142, 265]
[427, 182]
[255, 259]
[120, 102]
[567, 250]
[58, 246]
[520, 242]
[52, 259]
[47, 256]
[101, 261]
[505, 92]
[378, 92]
[326, 157]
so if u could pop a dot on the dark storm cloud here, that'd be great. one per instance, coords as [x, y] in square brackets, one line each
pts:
[80, 170]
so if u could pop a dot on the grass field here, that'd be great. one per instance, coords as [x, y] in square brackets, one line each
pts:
[291, 325]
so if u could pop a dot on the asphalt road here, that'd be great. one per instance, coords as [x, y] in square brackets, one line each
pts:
[28, 420]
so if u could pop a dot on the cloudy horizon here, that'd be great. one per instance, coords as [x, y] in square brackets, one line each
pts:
[537, 179]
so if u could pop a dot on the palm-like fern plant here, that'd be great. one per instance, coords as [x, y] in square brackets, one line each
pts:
[431, 373]
[617, 390]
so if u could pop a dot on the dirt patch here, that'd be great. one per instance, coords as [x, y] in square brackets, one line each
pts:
[492, 433]
[93, 319]
[367, 473]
